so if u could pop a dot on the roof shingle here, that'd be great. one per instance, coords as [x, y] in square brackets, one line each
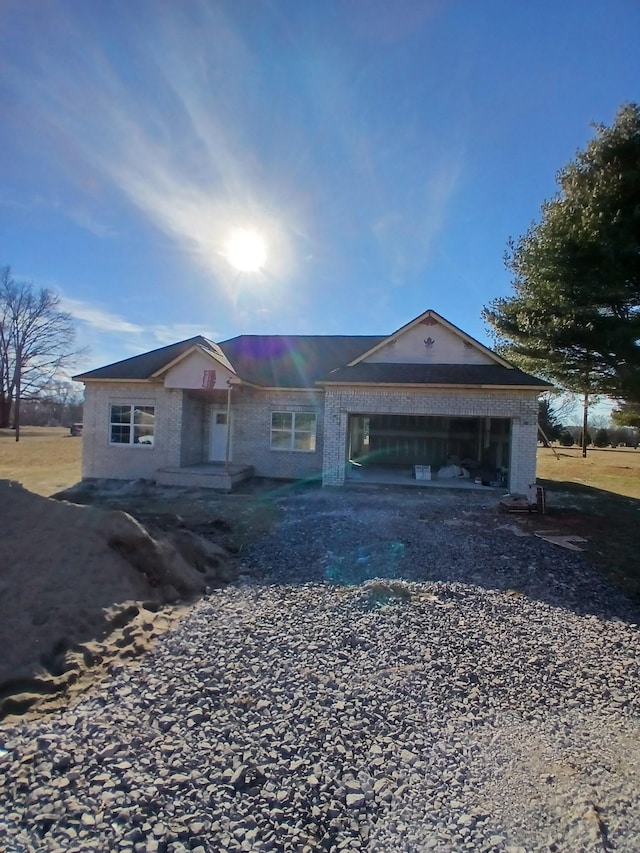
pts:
[145, 365]
[292, 361]
[434, 374]
[301, 361]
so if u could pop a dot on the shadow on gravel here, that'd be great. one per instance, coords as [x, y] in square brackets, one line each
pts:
[611, 525]
[294, 533]
[347, 537]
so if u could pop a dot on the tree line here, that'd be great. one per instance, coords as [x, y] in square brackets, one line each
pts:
[552, 428]
[574, 317]
[36, 347]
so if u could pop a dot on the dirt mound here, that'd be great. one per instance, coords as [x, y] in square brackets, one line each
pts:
[81, 586]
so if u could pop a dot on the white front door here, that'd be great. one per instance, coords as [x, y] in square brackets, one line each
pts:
[218, 441]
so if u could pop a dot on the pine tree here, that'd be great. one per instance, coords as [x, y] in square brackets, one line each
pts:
[575, 315]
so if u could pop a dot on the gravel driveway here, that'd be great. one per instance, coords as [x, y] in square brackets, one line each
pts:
[394, 672]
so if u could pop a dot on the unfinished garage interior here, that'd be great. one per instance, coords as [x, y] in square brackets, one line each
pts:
[454, 450]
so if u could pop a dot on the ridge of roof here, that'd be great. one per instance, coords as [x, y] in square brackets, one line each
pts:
[214, 352]
[303, 337]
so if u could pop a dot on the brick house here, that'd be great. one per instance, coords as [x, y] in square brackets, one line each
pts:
[293, 407]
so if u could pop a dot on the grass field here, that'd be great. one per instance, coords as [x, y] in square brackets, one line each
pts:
[597, 498]
[615, 470]
[45, 460]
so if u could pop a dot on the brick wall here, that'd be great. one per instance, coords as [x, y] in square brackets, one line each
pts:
[123, 462]
[182, 426]
[251, 426]
[520, 406]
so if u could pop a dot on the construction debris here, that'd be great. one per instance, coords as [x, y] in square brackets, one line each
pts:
[567, 542]
[533, 502]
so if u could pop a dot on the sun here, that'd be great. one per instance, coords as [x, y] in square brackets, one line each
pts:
[246, 250]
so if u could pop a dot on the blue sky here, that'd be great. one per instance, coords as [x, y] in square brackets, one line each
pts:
[385, 150]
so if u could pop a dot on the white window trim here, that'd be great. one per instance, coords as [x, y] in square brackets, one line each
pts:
[132, 406]
[292, 448]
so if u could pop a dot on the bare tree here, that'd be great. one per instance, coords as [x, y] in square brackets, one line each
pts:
[36, 343]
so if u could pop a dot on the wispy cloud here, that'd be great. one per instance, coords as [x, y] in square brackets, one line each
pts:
[407, 240]
[170, 128]
[163, 335]
[109, 337]
[99, 318]
[81, 215]
[176, 107]
[124, 336]
[87, 220]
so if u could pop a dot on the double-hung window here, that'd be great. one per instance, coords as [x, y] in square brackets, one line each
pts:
[293, 431]
[132, 424]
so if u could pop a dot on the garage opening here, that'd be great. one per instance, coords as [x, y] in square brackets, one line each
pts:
[420, 447]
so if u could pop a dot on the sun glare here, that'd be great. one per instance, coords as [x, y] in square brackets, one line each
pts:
[246, 250]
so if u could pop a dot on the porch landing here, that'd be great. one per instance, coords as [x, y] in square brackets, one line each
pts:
[206, 475]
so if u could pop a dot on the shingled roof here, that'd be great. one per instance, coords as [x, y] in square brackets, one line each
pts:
[303, 361]
[271, 361]
[145, 365]
[293, 361]
[493, 375]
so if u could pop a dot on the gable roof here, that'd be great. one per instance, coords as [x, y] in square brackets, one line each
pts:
[146, 365]
[270, 361]
[431, 314]
[308, 361]
[215, 354]
[292, 361]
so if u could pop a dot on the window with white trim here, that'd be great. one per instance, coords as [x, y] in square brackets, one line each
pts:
[132, 424]
[293, 431]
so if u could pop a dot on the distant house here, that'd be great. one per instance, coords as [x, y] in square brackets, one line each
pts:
[314, 406]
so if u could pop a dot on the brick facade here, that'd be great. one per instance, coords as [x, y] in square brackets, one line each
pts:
[251, 426]
[101, 459]
[521, 407]
[182, 427]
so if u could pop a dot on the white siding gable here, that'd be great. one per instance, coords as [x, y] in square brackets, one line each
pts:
[191, 372]
[429, 342]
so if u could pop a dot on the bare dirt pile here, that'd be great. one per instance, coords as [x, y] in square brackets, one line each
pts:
[82, 586]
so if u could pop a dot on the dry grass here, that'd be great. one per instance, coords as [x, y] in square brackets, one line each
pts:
[45, 460]
[598, 498]
[615, 470]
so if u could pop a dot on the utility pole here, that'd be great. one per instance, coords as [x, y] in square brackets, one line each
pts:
[16, 407]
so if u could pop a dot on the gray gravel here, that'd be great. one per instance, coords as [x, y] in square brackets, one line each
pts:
[394, 672]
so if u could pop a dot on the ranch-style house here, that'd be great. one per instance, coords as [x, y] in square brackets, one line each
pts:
[426, 402]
